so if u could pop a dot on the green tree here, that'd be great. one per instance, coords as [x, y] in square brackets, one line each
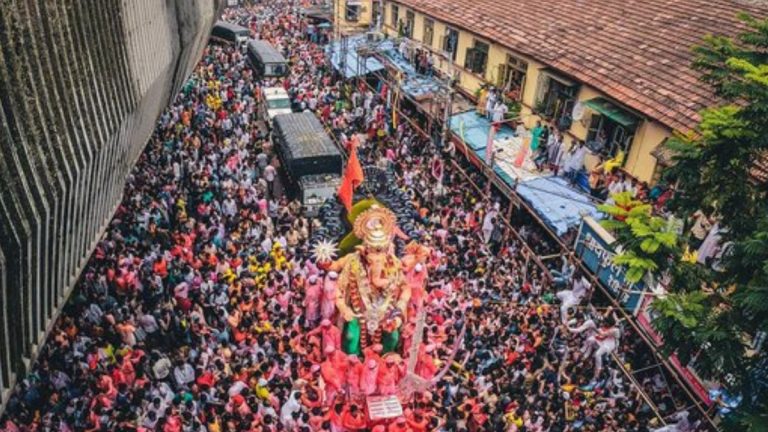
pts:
[647, 241]
[712, 171]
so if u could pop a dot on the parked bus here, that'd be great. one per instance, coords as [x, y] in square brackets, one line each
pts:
[227, 33]
[266, 60]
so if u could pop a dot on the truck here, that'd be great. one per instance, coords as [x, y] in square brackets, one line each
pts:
[311, 160]
[275, 101]
[266, 61]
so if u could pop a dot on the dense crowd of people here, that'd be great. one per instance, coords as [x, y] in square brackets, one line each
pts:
[193, 313]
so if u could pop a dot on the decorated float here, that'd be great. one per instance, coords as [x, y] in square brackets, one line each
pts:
[375, 286]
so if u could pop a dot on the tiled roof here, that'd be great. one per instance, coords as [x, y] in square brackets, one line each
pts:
[759, 169]
[638, 52]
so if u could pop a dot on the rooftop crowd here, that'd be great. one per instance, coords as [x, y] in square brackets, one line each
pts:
[193, 313]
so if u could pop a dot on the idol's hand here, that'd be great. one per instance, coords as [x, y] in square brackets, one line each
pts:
[348, 315]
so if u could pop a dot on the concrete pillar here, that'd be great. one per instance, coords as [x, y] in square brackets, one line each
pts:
[82, 84]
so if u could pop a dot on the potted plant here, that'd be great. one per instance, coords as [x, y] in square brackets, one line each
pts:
[513, 108]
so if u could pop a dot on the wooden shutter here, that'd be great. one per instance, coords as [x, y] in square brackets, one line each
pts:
[522, 87]
[469, 59]
[541, 87]
[594, 127]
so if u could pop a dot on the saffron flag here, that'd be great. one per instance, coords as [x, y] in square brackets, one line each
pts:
[353, 175]
[394, 112]
[520, 159]
[489, 145]
[437, 169]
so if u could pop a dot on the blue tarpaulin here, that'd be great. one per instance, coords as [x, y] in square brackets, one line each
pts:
[414, 84]
[397, 60]
[558, 204]
[367, 65]
[420, 86]
[473, 129]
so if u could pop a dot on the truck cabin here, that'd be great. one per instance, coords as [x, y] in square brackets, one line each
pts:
[275, 101]
[266, 60]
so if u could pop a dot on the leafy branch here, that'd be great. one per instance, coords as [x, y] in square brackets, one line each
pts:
[647, 241]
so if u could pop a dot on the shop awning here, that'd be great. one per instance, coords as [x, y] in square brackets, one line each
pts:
[612, 111]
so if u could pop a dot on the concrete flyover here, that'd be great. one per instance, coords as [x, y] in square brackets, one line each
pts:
[82, 83]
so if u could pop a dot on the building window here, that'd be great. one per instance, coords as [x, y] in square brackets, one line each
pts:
[611, 128]
[555, 99]
[352, 12]
[429, 32]
[607, 137]
[477, 58]
[410, 21]
[395, 16]
[511, 77]
[450, 42]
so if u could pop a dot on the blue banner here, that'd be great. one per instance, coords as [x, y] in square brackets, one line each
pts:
[597, 255]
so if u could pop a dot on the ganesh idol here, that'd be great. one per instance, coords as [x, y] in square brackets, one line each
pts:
[373, 293]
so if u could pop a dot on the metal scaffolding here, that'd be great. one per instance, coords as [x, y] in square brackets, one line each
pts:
[440, 101]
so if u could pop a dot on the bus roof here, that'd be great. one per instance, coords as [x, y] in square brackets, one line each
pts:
[265, 51]
[305, 135]
[305, 146]
[232, 27]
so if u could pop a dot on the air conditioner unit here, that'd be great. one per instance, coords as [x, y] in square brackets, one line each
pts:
[374, 36]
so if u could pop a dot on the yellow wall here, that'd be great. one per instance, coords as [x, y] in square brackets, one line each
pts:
[529, 93]
[388, 14]
[497, 55]
[639, 163]
[418, 28]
